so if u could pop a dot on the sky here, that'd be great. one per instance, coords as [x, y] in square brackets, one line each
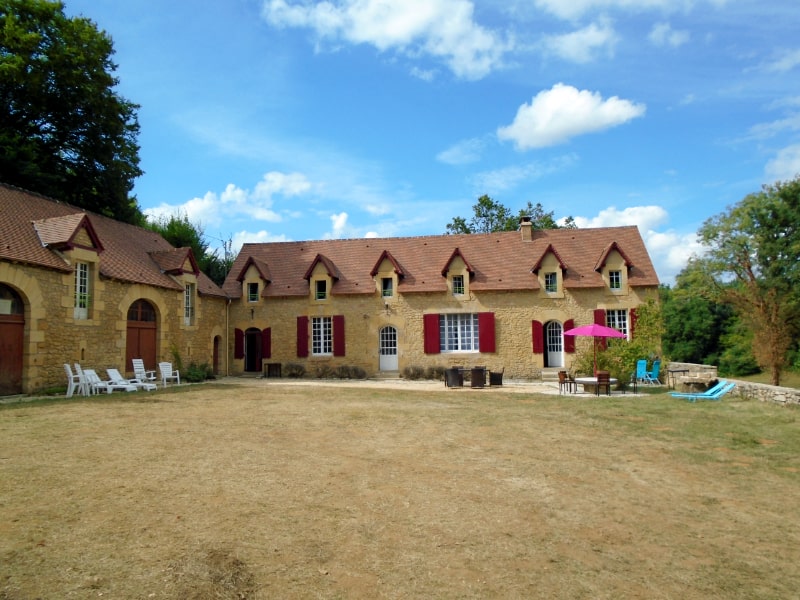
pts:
[285, 120]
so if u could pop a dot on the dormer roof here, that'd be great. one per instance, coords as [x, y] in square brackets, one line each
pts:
[330, 268]
[64, 232]
[604, 256]
[176, 261]
[457, 253]
[259, 265]
[549, 250]
[386, 255]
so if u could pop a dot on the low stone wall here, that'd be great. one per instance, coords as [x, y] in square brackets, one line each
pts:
[698, 378]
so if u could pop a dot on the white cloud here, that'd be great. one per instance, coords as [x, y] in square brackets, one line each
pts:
[463, 152]
[787, 62]
[773, 128]
[572, 9]
[500, 180]
[555, 116]
[584, 45]
[662, 34]
[644, 217]
[442, 29]
[338, 226]
[235, 202]
[785, 166]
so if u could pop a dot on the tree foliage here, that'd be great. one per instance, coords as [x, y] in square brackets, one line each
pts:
[179, 231]
[752, 263]
[490, 216]
[66, 133]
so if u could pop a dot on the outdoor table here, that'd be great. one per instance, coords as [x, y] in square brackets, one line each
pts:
[590, 383]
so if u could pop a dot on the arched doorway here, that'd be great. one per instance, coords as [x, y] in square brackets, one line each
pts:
[554, 338]
[252, 349]
[141, 335]
[388, 349]
[12, 340]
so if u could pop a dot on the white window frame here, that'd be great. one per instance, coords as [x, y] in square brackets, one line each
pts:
[615, 280]
[551, 282]
[82, 291]
[189, 303]
[458, 332]
[387, 287]
[320, 289]
[321, 336]
[458, 285]
[617, 318]
[252, 296]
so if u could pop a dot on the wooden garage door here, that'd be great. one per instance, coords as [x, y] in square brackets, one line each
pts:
[12, 337]
[141, 335]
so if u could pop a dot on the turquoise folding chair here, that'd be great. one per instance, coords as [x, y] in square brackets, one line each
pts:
[641, 370]
[709, 392]
[651, 377]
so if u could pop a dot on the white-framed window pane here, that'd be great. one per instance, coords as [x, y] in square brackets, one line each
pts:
[188, 304]
[458, 284]
[458, 332]
[321, 336]
[252, 292]
[618, 319]
[615, 280]
[321, 289]
[550, 282]
[387, 287]
[81, 290]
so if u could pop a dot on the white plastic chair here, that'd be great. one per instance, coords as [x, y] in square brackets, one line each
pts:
[73, 381]
[142, 374]
[83, 385]
[114, 377]
[167, 373]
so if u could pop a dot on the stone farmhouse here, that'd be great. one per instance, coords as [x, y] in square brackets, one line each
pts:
[499, 300]
[80, 287]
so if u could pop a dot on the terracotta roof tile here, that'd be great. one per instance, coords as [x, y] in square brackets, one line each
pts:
[126, 247]
[500, 261]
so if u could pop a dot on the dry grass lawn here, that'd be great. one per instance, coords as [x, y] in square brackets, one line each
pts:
[261, 489]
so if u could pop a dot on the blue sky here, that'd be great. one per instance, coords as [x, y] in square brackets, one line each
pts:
[270, 120]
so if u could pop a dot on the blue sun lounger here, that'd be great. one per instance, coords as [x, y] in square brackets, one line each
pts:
[715, 393]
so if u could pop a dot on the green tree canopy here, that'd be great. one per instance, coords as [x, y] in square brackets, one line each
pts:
[490, 216]
[66, 133]
[752, 261]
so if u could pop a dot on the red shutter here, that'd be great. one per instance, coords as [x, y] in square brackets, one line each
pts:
[600, 319]
[538, 337]
[634, 315]
[486, 339]
[266, 343]
[302, 337]
[238, 343]
[430, 330]
[338, 335]
[569, 340]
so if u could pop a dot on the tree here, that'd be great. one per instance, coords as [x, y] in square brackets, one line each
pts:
[490, 216]
[752, 259]
[66, 133]
[179, 231]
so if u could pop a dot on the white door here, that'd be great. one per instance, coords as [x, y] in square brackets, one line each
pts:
[388, 349]
[555, 344]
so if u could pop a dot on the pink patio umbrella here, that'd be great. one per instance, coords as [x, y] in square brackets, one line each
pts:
[596, 331]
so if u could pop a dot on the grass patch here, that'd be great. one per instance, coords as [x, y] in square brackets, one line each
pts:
[264, 489]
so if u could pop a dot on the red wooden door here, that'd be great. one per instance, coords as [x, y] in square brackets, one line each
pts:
[141, 335]
[12, 336]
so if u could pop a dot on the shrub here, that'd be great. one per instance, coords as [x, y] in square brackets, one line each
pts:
[196, 373]
[413, 372]
[294, 370]
[435, 373]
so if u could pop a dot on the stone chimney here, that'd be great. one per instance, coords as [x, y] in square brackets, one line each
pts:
[526, 227]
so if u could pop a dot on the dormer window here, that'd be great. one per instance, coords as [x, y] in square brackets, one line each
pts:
[387, 287]
[81, 291]
[615, 280]
[458, 285]
[252, 292]
[320, 289]
[551, 282]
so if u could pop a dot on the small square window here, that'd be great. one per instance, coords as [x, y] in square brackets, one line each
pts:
[252, 292]
[615, 280]
[321, 289]
[550, 283]
[387, 287]
[458, 285]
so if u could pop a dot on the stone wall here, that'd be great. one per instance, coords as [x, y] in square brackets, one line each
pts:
[700, 377]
